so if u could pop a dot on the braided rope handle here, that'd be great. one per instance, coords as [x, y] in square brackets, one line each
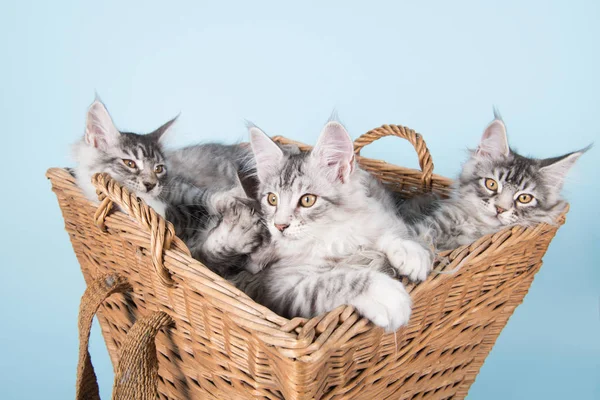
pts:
[425, 161]
[162, 232]
[137, 370]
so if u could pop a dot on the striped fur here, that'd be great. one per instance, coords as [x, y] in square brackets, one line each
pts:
[474, 210]
[198, 188]
[340, 249]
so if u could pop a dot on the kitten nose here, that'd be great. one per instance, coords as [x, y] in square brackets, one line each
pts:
[500, 210]
[149, 186]
[281, 227]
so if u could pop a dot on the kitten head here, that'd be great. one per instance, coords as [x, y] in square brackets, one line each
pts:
[299, 191]
[136, 161]
[505, 188]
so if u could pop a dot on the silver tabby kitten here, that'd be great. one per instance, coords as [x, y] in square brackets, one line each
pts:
[496, 188]
[196, 188]
[136, 161]
[325, 214]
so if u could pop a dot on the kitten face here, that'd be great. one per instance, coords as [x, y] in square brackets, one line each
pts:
[136, 161]
[503, 188]
[300, 192]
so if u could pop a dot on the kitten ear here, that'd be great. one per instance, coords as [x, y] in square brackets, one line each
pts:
[266, 152]
[494, 142]
[159, 133]
[335, 151]
[100, 131]
[555, 169]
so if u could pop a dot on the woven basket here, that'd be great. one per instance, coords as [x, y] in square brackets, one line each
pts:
[213, 342]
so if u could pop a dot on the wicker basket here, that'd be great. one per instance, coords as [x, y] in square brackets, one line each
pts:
[217, 343]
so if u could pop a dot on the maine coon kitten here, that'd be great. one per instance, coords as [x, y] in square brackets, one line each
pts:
[496, 188]
[223, 226]
[136, 161]
[324, 213]
[196, 188]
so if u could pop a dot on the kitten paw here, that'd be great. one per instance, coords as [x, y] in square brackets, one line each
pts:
[240, 232]
[385, 303]
[227, 202]
[410, 259]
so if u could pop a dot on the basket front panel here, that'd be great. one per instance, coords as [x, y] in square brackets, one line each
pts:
[455, 322]
[226, 347]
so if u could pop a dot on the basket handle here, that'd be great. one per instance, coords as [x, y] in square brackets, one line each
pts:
[425, 161]
[162, 232]
[137, 369]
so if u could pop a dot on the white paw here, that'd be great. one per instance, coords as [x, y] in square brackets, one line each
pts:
[239, 232]
[385, 303]
[225, 201]
[410, 259]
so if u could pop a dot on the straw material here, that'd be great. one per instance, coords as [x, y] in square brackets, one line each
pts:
[222, 345]
[136, 376]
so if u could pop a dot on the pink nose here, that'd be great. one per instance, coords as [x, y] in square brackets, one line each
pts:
[500, 210]
[281, 227]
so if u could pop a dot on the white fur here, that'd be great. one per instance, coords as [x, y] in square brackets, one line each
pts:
[319, 242]
[386, 303]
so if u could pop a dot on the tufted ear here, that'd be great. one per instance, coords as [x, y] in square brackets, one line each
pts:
[335, 152]
[100, 131]
[267, 154]
[159, 134]
[494, 142]
[555, 169]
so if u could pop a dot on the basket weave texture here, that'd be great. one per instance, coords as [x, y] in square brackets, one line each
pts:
[222, 345]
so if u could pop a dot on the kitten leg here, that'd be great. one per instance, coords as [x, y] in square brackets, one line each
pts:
[239, 232]
[308, 291]
[408, 257]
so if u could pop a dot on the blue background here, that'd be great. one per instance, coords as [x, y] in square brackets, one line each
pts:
[437, 67]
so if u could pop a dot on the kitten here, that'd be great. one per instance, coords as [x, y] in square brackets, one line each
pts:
[496, 188]
[136, 161]
[221, 222]
[325, 216]
[196, 188]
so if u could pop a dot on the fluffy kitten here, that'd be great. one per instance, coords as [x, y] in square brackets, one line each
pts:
[325, 215]
[136, 161]
[220, 222]
[496, 188]
[196, 188]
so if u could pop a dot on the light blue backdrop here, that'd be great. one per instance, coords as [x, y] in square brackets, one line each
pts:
[435, 66]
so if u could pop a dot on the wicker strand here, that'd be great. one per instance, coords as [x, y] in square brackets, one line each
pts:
[425, 161]
[94, 295]
[162, 232]
[136, 376]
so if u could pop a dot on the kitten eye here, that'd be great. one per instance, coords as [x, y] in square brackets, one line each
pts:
[159, 169]
[524, 198]
[491, 184]
[272, 198]
[308, 200]
[130, 163]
